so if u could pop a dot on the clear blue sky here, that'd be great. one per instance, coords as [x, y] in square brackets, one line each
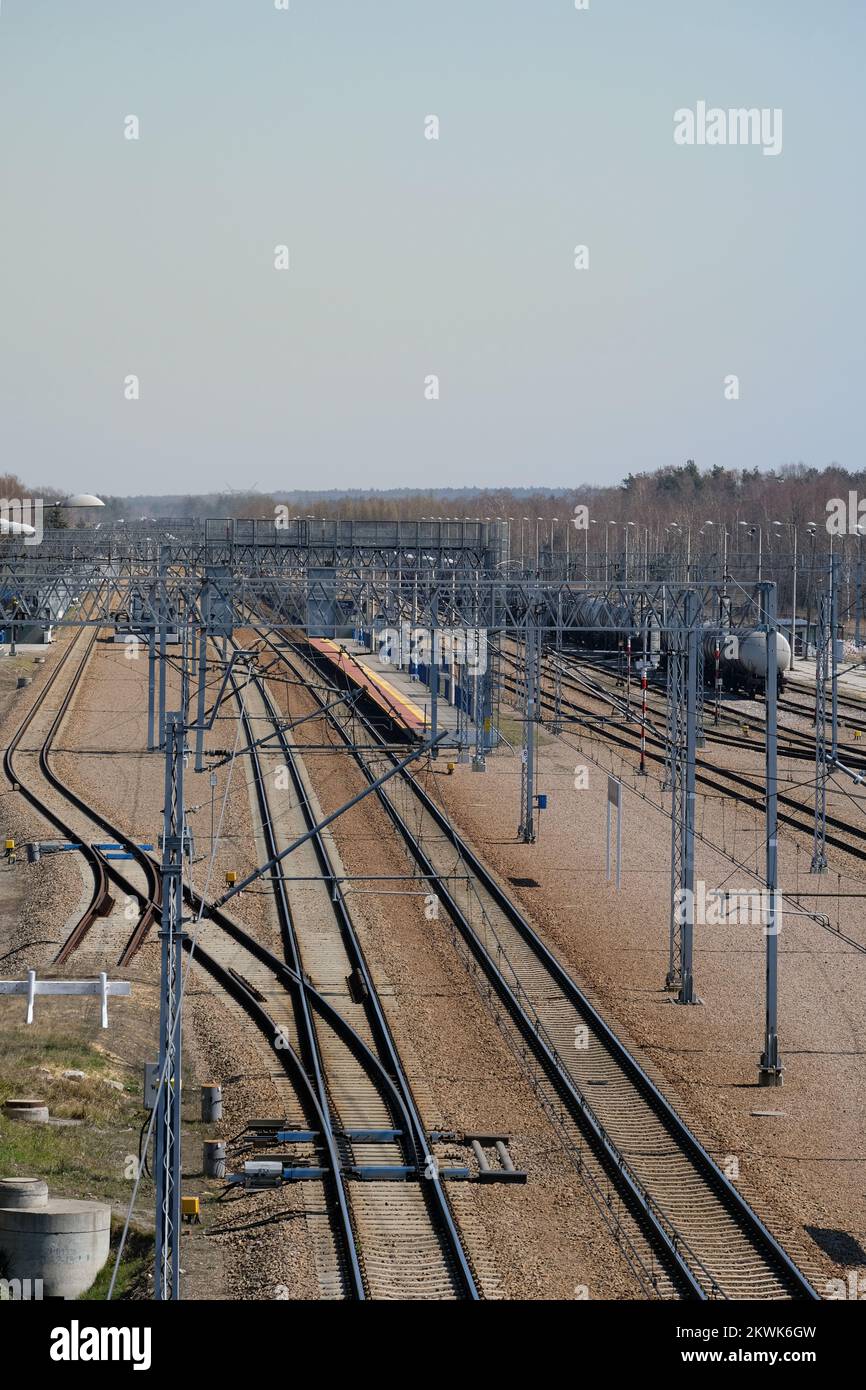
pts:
[411, 257]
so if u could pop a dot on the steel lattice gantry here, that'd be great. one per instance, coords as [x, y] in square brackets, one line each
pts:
[682, 741]
[531, 717]
[171, 936]
[770, 1063]
[822, 767]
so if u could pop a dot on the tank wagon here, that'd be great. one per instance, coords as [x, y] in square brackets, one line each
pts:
[742, 659]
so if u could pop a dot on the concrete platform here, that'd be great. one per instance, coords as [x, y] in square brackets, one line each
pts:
[407, 700]
[851, 676]
[25, 648]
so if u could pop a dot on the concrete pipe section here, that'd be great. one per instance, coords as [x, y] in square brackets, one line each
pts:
[18, 1193]
[62, 1241]
[25, 1109]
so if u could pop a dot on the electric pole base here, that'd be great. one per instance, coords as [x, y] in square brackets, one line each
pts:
[769, 1076]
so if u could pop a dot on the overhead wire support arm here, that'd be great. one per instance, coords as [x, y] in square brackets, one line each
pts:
[266, 868]
[284, 726]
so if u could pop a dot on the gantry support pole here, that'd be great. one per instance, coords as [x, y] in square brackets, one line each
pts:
[819, 834]
[673, 784]
[200, 700]
[163, 633]
[682, 740]
[770, 1065]
[434, 674]
[526, 829]
[699, 692]
[834, 664]
[151, 688]
[693, 643]
[168, 1116]
[556, 726]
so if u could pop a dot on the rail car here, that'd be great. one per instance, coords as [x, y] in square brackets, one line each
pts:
[742, 651]
[742, 659]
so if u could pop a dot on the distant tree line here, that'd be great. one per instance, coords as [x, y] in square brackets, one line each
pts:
[794, 494]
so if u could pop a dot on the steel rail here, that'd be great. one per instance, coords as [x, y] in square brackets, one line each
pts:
[400, 1088]
[99, 866]
[766, 1246]
[312, 1058]
[152, 902]
[626, 737]
[805, 749]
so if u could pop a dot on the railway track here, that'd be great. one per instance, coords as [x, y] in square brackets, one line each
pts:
[792, 743]
[856, 719]
[689, 1232]
[736, 785]
[400, 1236]
[100, 901]
[102, 869]
[268, 990]
[394, 1239]
[263, 989]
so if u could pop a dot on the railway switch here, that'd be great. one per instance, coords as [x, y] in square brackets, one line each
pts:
[273, 1169]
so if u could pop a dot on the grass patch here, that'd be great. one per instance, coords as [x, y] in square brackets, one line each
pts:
[33, 1064]
[132, 1276]
[92, 1159]
[11, 667]
[512, 729]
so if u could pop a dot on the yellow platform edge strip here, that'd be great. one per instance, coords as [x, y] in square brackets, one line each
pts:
[376, 679]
